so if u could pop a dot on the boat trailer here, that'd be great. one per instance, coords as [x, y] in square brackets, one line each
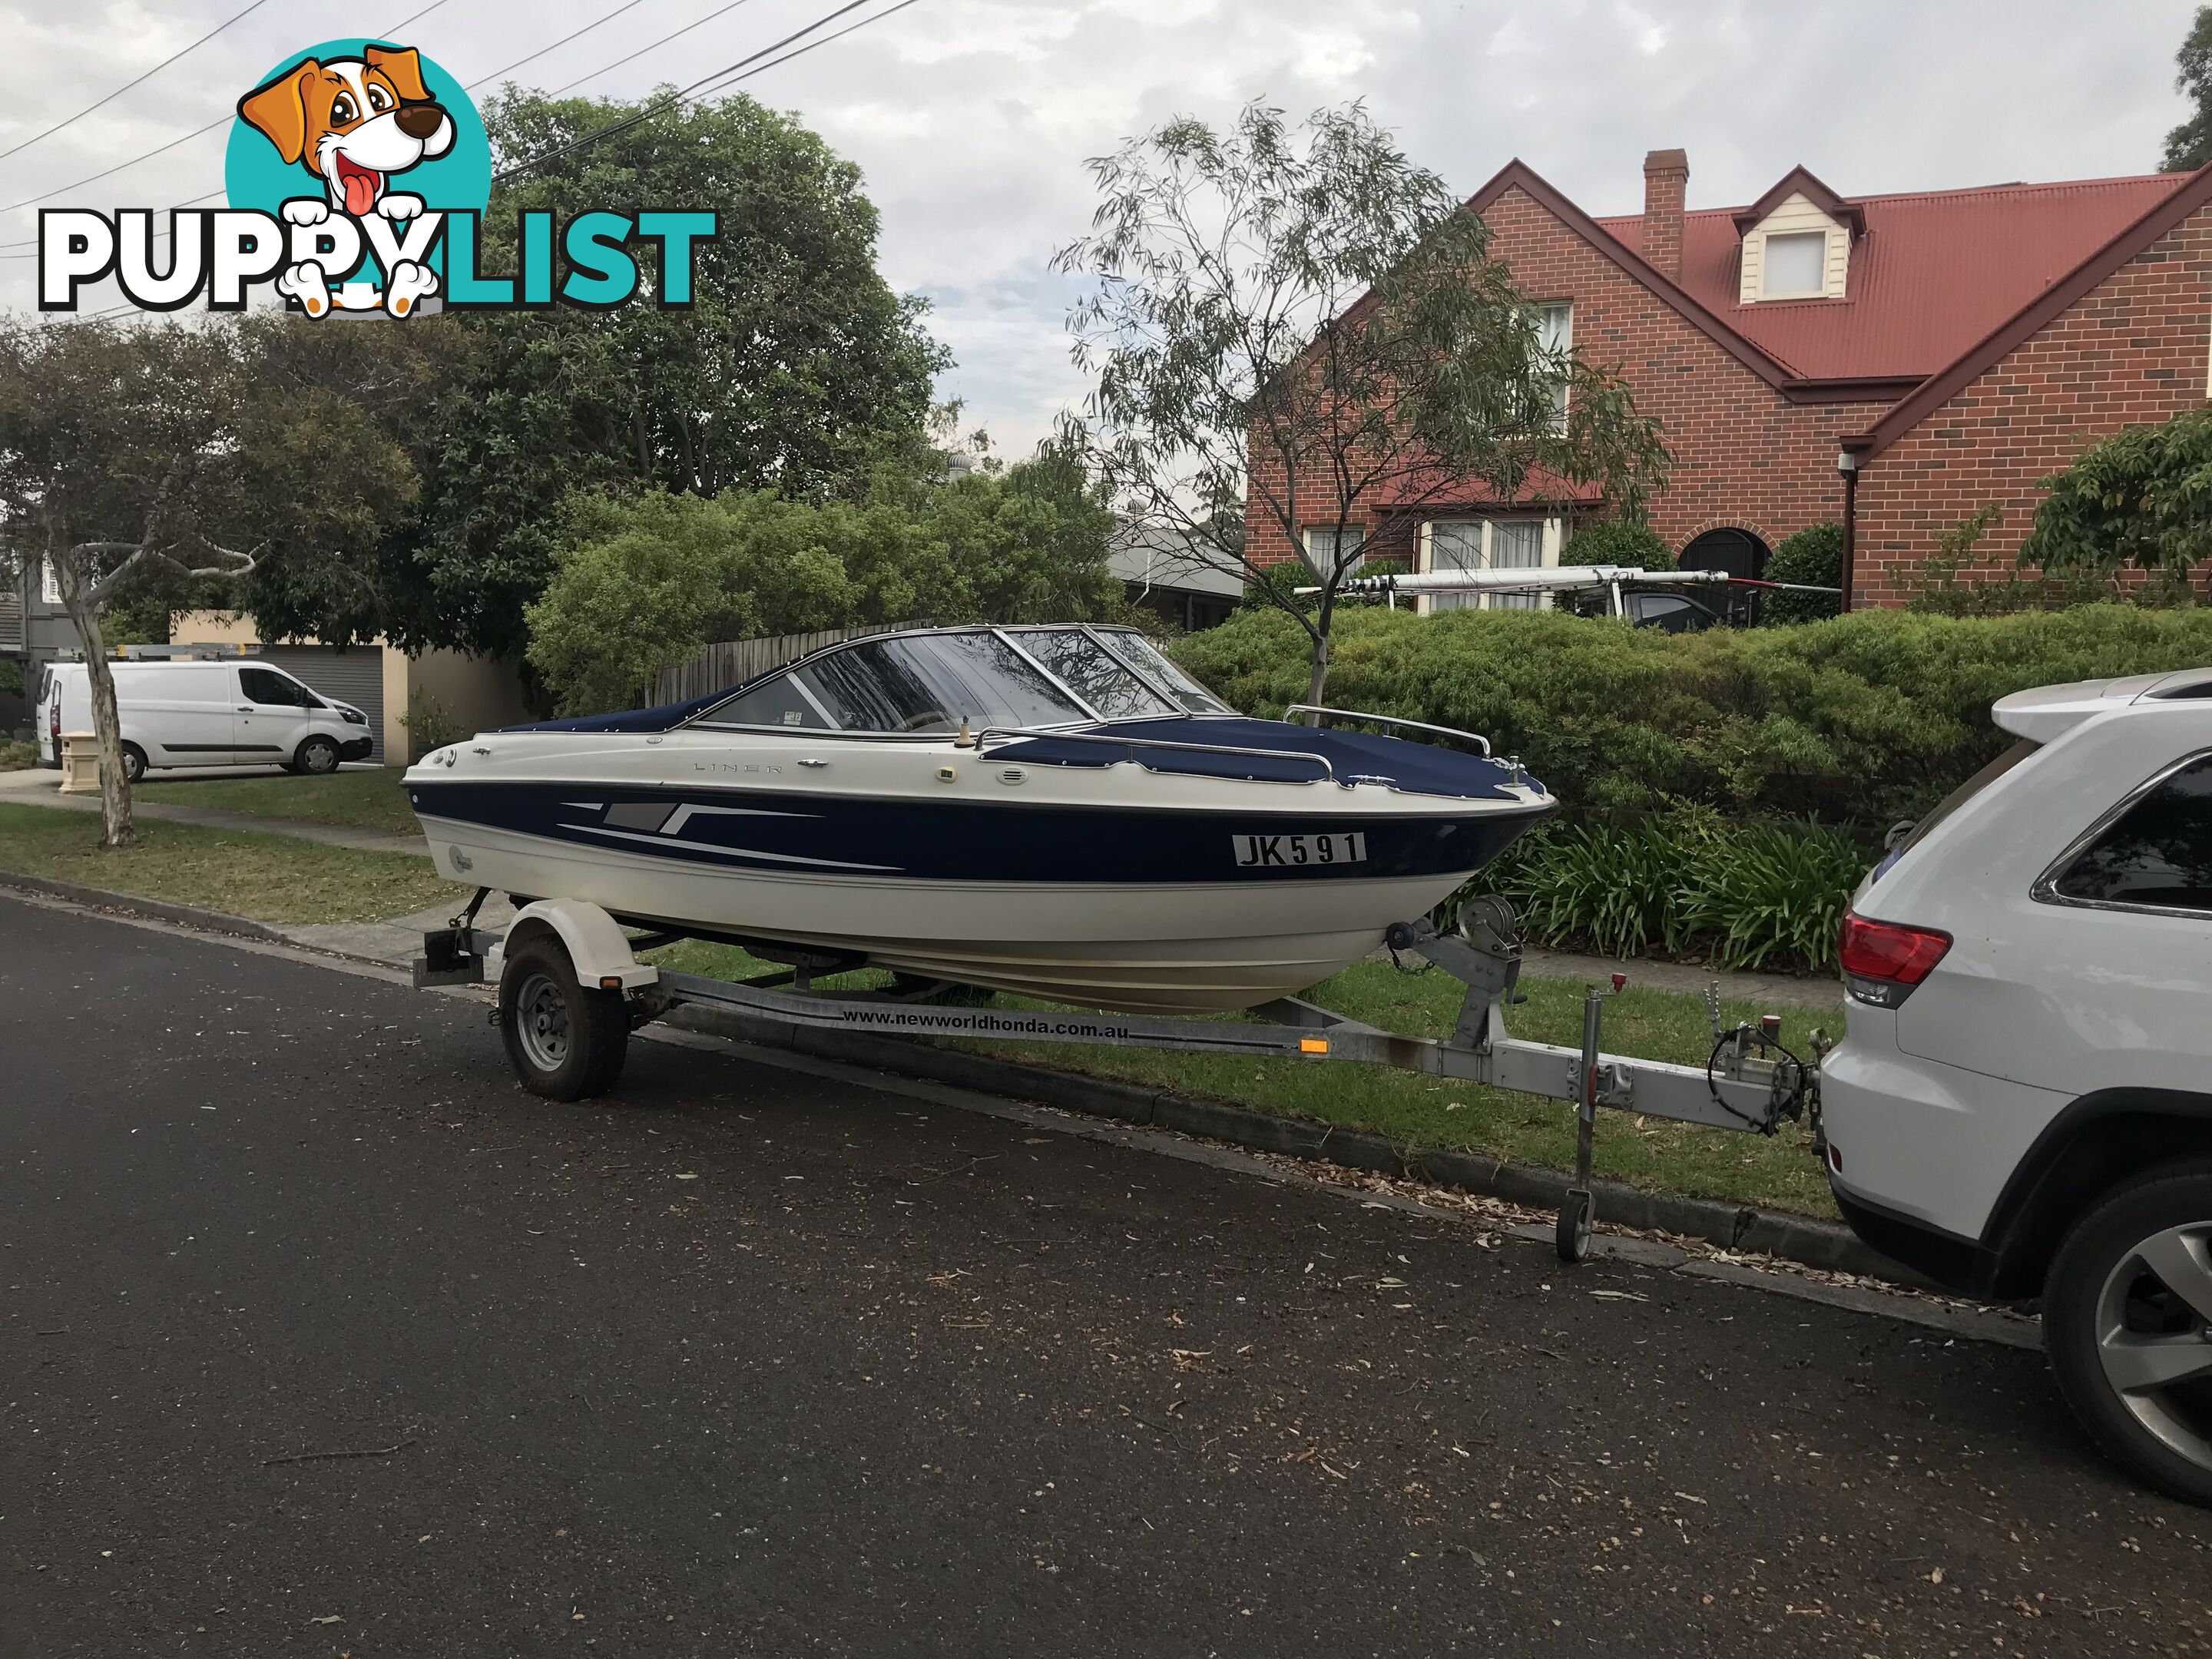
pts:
[571, 990]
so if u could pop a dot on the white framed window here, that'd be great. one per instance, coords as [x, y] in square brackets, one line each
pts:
[50, 582]
[1457, 544]
[1518, 544]
[1324, 544]
[1555, 329]
[1489, 544]
[1795, 266]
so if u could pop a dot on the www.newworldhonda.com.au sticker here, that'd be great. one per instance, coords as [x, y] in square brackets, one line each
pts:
[983, 1019]
[357, 176]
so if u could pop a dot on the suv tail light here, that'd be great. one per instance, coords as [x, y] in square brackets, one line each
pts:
[54, 724]
[1883, 961]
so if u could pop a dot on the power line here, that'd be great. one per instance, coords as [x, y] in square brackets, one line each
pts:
[127, 85]
[605, 68]
[726, 76]
[224, 120]
[562, 41]
[729, 76]
[848, 30]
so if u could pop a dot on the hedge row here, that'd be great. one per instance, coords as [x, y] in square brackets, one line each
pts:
[1858, 720]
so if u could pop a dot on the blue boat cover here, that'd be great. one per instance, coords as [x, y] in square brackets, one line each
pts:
[667, 718]
[1418, 769]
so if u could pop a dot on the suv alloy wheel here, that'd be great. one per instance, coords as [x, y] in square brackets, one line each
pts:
[2128, 1320]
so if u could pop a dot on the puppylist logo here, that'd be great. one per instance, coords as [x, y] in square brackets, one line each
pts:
[357, 176]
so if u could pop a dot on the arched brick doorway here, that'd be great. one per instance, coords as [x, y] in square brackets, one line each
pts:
[1740, 554]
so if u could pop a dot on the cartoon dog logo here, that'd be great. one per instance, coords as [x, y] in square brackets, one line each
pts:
[353, 123]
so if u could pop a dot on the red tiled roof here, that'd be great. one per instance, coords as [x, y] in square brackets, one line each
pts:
[1541, 488]
[1934, 272]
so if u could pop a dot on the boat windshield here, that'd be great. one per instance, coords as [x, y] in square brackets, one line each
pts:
[932, 683]
[1149, 660]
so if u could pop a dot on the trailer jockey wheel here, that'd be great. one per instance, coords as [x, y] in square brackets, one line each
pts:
[565, 1041]
[1572, 1235]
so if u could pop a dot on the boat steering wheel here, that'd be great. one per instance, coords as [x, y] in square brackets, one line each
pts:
[925, 720]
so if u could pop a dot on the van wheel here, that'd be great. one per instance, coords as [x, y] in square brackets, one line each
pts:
[317, 757]
[565, 1042]
[2127, 1317]
[133, 762]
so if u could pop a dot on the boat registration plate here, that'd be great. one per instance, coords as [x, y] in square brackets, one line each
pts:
[1289, 852]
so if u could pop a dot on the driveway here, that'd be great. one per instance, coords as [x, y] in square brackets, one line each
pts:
[321, 1337]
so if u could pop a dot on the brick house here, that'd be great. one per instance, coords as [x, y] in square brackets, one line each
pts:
[1892, 362]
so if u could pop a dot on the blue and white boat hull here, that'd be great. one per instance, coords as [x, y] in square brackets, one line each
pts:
[1105, 883]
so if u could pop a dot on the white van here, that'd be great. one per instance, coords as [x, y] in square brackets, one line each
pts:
[205, 714]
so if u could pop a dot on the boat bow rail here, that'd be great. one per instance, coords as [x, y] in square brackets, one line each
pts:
[1133, 741]
[1474, 738]
[1749, 1083]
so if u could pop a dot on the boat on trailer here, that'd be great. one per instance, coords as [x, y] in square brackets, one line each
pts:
[1058, 811]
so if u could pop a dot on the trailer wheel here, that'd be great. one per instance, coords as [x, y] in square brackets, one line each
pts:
[2127, 1320]
[1572, 1235]
[565, 1041]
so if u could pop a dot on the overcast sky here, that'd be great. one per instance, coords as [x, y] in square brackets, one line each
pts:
[972, 118]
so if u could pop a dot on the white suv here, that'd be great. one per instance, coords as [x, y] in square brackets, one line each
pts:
[2023, 1104]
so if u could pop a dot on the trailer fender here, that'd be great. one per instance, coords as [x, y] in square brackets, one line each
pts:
[595, 944]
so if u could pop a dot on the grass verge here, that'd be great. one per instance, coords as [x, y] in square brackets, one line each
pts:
[360, 800]
[1778, 1173]
[275, 878]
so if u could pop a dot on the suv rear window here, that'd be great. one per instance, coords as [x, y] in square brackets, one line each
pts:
[1964, 792]
[2157, 854]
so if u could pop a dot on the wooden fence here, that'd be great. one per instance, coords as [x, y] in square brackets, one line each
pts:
[733, 662]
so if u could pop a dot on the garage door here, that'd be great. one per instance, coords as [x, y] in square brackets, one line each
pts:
[356, 677]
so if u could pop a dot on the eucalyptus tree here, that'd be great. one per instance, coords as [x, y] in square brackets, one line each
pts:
[1291, 327]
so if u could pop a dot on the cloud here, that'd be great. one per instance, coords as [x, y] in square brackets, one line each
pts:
[971, 119]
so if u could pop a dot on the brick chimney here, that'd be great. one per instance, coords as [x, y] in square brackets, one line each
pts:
[1666, 188]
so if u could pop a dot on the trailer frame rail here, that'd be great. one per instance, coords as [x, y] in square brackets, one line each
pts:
[1749, 1084]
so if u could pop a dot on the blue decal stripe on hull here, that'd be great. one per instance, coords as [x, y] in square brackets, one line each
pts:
[664, 839]
[996, 841]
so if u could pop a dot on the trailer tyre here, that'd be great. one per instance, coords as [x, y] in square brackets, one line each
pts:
[1570, 1235]
[565, 1041]
[2127, 1318]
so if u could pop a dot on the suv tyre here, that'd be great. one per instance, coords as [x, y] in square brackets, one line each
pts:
[2128, 1321]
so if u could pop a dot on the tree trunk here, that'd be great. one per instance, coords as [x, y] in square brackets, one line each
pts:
[106, 724]
[1317, 675]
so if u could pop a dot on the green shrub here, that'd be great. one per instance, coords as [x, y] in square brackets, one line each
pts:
[645, 581]
[1814, 556]
[2138, 498]
[1617, 541]
[1754, 896]
[1770, 896]
[1858, 720]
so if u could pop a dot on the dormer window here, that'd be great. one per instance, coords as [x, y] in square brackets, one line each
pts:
[1797, 241]
[1795, 266]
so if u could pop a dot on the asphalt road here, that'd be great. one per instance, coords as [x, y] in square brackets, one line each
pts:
[749, 1362]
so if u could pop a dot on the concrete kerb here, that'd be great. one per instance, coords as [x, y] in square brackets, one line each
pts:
[100, 899]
